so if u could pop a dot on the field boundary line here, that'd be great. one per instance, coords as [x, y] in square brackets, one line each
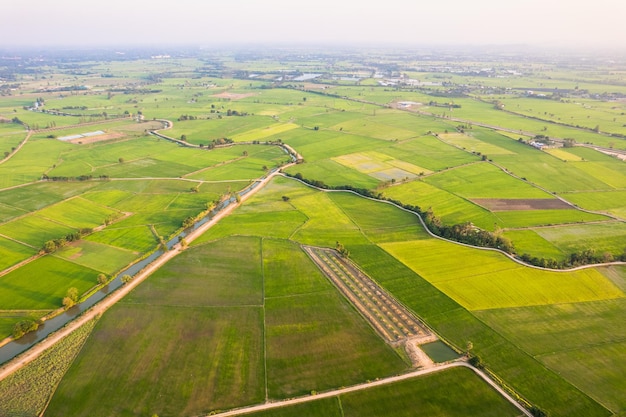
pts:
[31, 354]
[511, 257]
[373, 384]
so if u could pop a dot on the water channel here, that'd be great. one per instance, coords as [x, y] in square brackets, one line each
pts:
[15, 347]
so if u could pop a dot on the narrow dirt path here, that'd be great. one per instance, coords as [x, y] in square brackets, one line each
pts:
[380, 382]
[28, 356]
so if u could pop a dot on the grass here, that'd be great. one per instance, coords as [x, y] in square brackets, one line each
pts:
[450, 208]
[472, 144]
[317, 341]
[430, 153]
[484, 181]
[27, 391]
[597, 370]
[529, 218]
[53, 277]
[35, 230]
[136, 239]
[217, 352]
[529, 377]
[610, 201]
[453, 392]
[107, 259]
[602, 237]
[12, 253]
[584, 342]
[528, 241]
[479, 279]
[231, 278]
[333, 173]
[77, 212]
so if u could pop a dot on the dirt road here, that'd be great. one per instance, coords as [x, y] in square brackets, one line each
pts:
[380, 382]
[109, 301]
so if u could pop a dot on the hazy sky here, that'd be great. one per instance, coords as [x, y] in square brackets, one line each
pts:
[208, 22]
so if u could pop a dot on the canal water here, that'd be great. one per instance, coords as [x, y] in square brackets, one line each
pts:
[14, 348]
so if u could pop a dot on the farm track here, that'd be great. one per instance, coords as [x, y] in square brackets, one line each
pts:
[31, 354]
[388, 317]
[368, 385]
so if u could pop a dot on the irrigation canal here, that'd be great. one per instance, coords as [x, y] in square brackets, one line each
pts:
[16, 347]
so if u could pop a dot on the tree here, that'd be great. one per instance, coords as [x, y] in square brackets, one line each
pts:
[183, 138]
[126, 279]
[102, 279]
[345, 253]
[71, 298]
[121, 160]
[285, 198]
[24, 326]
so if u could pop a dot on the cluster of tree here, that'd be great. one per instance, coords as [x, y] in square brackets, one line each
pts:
[217, 142]
[583, 257]
[71, 298]
[111, 218]
[184, 117]
[75, 108]
[464, 233]
[54, 244]
[46, 177]
[230, 112]
[345, 253]
[17, 121]
[24, 326]
[433, 103]
[472, 235]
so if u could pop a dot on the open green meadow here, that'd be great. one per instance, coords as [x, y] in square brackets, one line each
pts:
[42, 284]
[584, 342]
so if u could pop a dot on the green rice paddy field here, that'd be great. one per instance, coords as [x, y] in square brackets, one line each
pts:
[256, 318]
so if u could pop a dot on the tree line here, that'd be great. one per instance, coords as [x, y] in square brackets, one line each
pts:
[471, 235]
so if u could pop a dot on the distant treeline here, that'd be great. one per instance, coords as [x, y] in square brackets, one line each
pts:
[45, 177]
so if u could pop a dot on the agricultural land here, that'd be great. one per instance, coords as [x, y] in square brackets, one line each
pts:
[390, 214]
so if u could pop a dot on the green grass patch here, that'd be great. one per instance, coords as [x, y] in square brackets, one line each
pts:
[107, 259]
[43, 283]
[136, 239]
[12, 253]
[34, 230]
[450, 208]
[472, 144]
[529, 218]
[484, 181]
[528, 241]
[27, 391]
[601, 237]
[479, 279]
[430, 153]
[222, 273]
[217, 353]
[317, 341]
[77, 212]
[453, 392]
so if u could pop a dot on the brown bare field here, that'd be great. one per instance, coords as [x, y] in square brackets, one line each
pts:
[506, 204]
[233, 96]
[98, 138]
